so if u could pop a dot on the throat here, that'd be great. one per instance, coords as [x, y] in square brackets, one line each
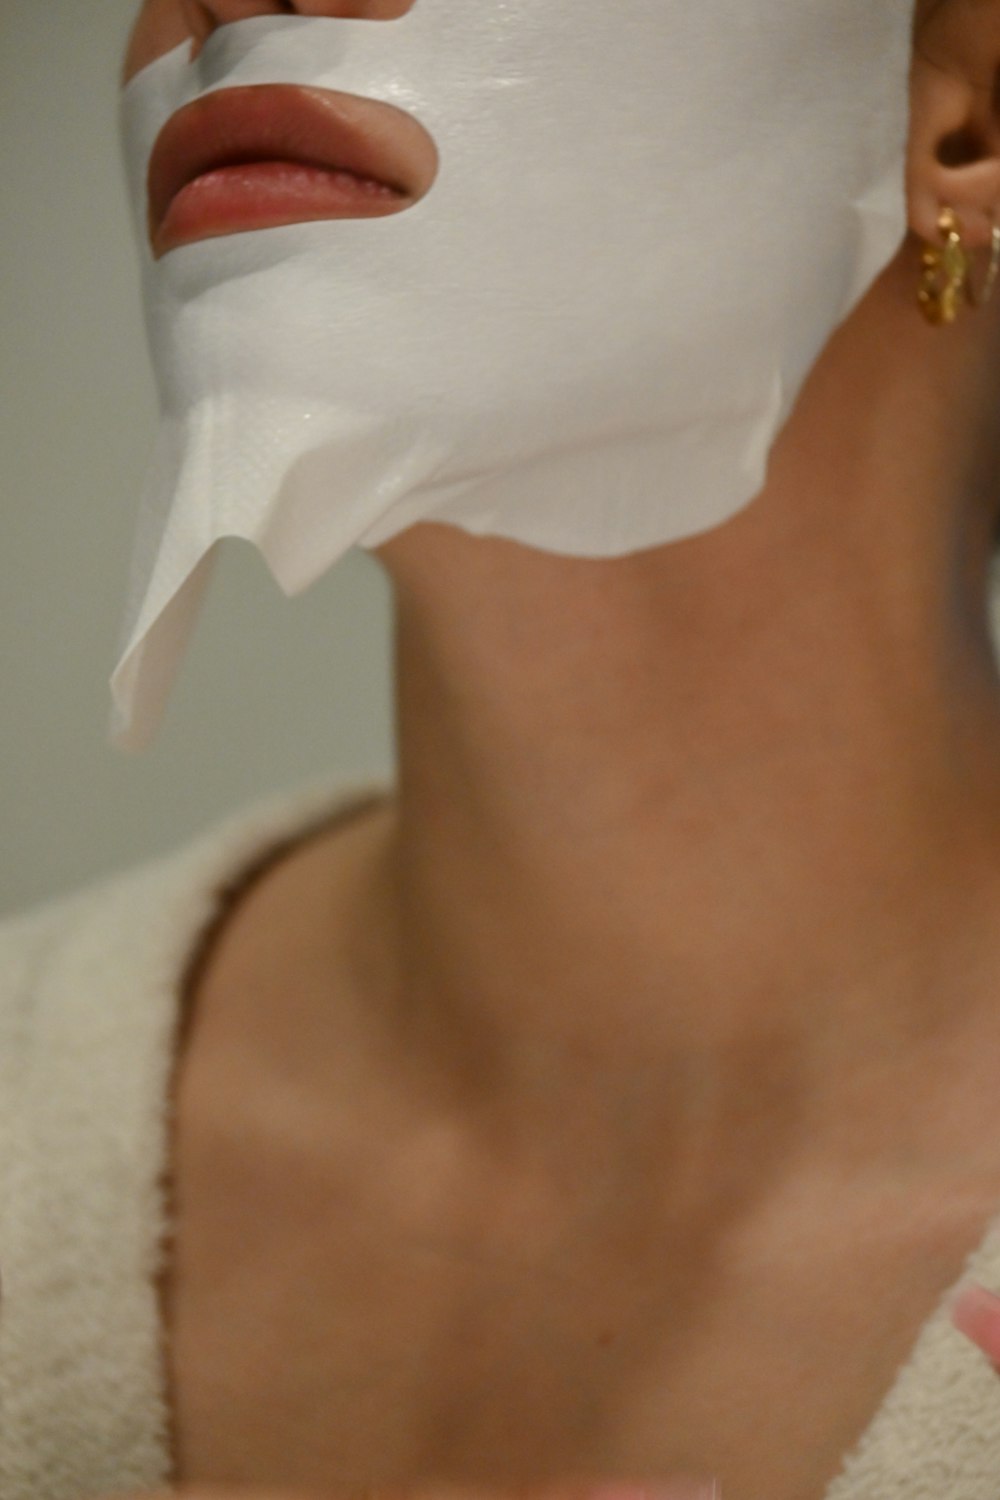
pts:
[626, 985]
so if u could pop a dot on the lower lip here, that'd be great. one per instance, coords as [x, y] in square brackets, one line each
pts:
[261, 195]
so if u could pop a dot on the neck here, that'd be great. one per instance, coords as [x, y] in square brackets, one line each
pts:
[733, 799]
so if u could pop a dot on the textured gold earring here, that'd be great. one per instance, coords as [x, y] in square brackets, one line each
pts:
[978, 299]
[947, 273]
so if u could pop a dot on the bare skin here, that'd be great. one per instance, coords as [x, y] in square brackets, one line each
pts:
[674, 959]
[682, 1490]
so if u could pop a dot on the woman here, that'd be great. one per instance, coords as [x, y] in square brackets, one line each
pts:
[615, 1096]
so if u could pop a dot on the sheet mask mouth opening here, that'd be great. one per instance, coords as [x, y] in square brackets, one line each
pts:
[255, 156]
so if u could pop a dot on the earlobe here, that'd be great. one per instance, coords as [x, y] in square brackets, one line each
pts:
[954, 153]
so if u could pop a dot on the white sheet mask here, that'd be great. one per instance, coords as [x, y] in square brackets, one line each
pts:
[649, 216]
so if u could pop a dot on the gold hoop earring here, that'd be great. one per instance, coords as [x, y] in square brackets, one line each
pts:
[980, 298]
[946, 273]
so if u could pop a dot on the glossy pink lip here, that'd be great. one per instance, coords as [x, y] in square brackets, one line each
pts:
[271, 123]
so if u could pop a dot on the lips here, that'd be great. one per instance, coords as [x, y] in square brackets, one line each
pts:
[275, 122]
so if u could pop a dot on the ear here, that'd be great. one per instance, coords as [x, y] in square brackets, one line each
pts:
[954, 148]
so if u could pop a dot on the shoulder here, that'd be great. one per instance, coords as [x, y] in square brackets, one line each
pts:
[136, 925]
[90, 1001]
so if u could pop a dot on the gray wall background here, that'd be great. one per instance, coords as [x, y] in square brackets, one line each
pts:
[273, 689]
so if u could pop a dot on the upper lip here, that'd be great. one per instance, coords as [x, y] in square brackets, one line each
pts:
[271, 122]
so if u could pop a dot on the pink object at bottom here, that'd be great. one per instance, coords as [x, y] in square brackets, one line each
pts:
[976, 1313]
